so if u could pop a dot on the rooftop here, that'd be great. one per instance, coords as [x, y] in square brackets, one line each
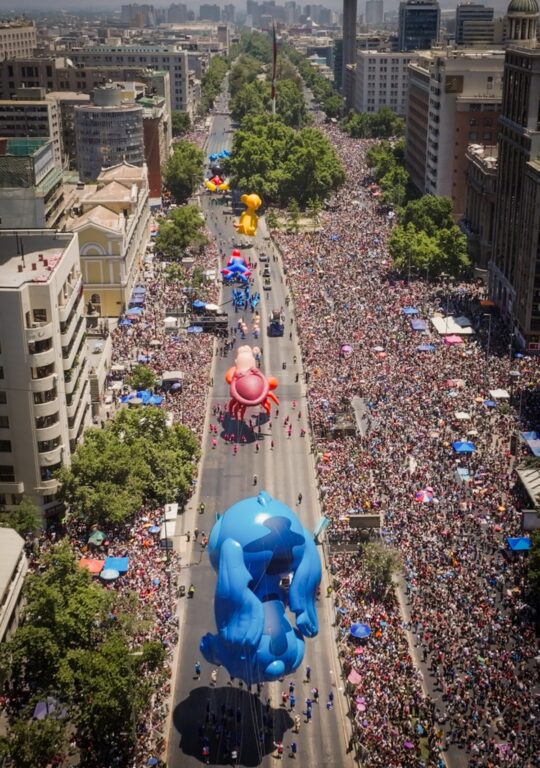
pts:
[30, 256]
[114, 192]
[101, 216]
[23, 147]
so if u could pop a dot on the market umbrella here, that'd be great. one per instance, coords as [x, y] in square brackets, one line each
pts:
[135, 311]
[124, 322]
[152, 761]
[360, 631]
[176, 386]
[97, 538]
[198, 304]
[109, 574]
[425, 348]
[154, 529]
[410, 311]
[490, 403]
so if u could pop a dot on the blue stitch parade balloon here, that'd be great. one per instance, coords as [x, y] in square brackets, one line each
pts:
[266, 562]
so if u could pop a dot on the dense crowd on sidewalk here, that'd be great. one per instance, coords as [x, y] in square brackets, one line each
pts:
[464, 593]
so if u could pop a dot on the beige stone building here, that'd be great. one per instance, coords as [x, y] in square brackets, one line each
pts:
[112, 226]
[13, 569]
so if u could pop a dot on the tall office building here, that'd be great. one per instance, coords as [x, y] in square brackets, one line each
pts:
[44, 391]
[374, 12]
[209, 12]
[419, 23]
[17, 39]
[178, 13]
[514, 271]
[31, 115]
[474, 24]
[382, 79]
[136, 15]
[108, 132]
[350, 13]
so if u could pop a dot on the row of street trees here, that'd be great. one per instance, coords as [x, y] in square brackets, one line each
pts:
[75, 648]
[212, 81]
[325, 93]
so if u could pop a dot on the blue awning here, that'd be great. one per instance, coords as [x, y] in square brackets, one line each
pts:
[417, 324]
[519, 543]
[463, 447]
[120, 564]
[410, 311]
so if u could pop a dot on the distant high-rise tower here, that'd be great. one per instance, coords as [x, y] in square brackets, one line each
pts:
[350, 12]
[419, 22]
[470, 19]
[374, 12]
[514, 270]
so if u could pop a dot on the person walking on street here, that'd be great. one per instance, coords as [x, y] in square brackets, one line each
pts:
[197, 670]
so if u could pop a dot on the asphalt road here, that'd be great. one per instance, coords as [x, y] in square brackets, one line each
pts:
[284, 471]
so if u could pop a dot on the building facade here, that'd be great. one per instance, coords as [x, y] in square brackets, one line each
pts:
[112, 224]
[381, 80]
[348, 56]
[172, 59]
[108, 132]
[419, 24]
[17, 39]
[479, 219]
[32, 190]
[13, 569]
[474, 24]
[514, 271]
[465, 91]
[374, 12]
[44, 400]
[31, 115]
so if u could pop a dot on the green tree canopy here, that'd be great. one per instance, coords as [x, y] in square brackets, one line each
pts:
[212, 80]
[141, 377]
[182, 229]
[279, 163]
[250, 99]
[25, 518]
[429, 214]
[135, 458]
[36, 743]
[381, 564]
[181, 123]
[183, 171]
[377, 125]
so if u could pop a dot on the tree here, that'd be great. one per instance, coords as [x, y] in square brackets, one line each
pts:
[453, 252]
[272, 220]
[381, 563]
[314, 209]
[394, 186]
[183, 171]
[412, 250]
[141, 377]
[252, 98]
[25, 518]
[379, 125]
[183, 228]
[174, 273]
[429, 214]
[290, 103]
[181, 123]
[294, 216]
[36, 743]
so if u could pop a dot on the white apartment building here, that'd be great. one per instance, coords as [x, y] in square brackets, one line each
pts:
[382, 79]
[44, 390]
[159, 57]
[17, 39]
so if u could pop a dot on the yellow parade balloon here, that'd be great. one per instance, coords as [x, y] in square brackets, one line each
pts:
[224, 187]
[248, 220]
[211, 186]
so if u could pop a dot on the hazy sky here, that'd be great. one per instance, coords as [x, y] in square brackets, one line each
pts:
[97, 5]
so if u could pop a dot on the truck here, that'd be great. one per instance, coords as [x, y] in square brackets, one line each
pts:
[276, 327]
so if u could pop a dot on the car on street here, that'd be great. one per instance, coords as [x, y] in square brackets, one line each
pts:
[267, 284]
[263, 258]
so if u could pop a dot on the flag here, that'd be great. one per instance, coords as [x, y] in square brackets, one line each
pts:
[274, 61]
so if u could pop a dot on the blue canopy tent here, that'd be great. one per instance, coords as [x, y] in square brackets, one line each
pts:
[360, 631]
[533, 442]
[519, 543]
[124, 322]
[109, 574]
[463, 446]
[135, 311]
[417, 324]
[155, 400]
[213, 156]
[425, 348]
[410, 311]
[195, 329]
[490, 403]
[120, 564]
[198, 304]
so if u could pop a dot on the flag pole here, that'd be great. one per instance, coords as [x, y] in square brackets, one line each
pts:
[274, 67]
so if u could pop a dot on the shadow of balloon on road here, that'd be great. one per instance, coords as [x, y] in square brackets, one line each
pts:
[190, 715]
[240, 431]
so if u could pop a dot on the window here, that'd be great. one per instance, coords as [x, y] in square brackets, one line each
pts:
[44, 397]
[42, 422]
[43, 371]
[1, 372]
[48, 445]
[7, 473]
[4, 422]
[5, 446]
[3, 397]
[40, 315]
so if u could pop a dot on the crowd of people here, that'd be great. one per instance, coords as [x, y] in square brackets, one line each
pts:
[475, 689]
